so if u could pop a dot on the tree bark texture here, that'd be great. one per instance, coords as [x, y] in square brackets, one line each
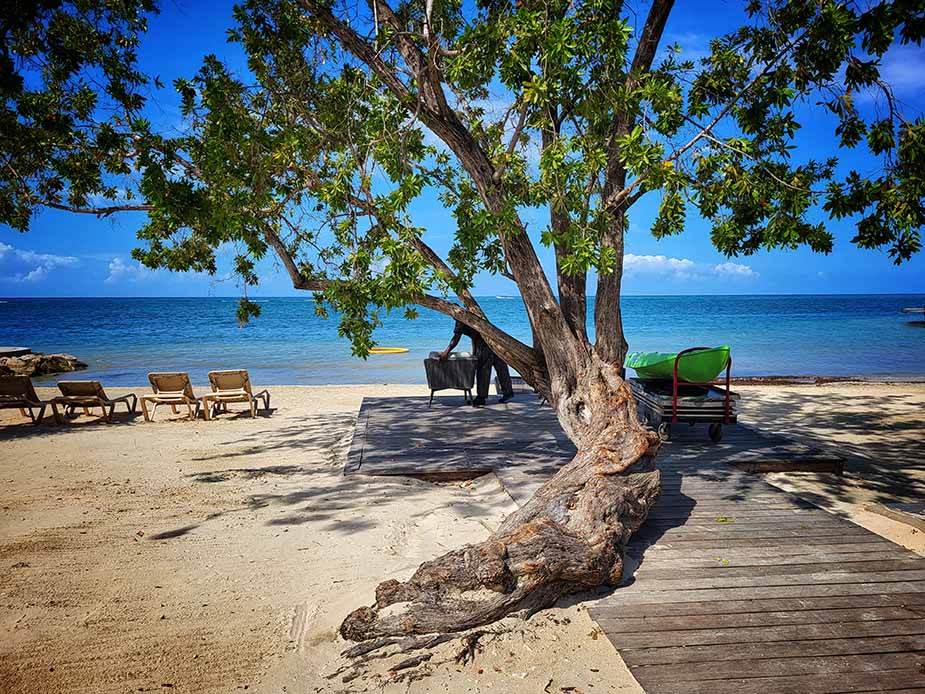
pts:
[568, 538]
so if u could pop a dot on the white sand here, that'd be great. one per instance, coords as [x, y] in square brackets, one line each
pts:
[218, 556]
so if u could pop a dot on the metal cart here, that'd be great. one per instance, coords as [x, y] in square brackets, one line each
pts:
[661, 403]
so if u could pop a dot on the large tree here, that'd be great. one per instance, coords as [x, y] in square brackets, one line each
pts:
[349, 112]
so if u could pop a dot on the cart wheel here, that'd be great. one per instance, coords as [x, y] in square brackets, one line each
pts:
[664, 431]
[716, 432]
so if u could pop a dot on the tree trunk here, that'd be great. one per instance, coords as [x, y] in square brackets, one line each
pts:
[568, 538]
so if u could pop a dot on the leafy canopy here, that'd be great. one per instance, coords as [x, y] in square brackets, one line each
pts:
[319, 151]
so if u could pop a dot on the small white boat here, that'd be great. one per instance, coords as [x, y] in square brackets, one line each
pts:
[914, 310]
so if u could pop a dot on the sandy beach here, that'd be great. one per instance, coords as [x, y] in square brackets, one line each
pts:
[221, 556]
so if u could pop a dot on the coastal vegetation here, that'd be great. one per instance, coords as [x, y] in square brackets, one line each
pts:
[349, 113]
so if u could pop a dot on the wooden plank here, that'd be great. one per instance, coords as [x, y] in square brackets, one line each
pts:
[682, 551]
[679, 563]
[800, 684]
[815, 463]
[741, 511]
[720, 542]
[780, 649]
[716, 671]
[736, 523]
[652, 585]
[357, 444]
[608, 610]
[720, 620]
[788, 632]
[719, 569]
[685, 534]
[622, 597]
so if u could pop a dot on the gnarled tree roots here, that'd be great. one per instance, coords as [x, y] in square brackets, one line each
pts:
[568, 538]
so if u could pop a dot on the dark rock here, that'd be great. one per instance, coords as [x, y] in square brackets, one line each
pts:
[39, 364]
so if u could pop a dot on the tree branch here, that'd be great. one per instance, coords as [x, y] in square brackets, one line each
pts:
[522, 357]
[608, 322]
[615, 200]
[542, 307]
[98, 211]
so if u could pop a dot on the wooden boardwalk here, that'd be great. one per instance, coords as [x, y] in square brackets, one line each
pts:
[732, 585]
[524, 442]
[743, 588]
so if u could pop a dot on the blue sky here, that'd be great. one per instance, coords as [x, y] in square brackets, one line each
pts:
[75, 255]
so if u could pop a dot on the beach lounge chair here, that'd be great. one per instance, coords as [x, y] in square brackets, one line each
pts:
[17, 392]
[172, 389]
[232, 386]
[89, 394]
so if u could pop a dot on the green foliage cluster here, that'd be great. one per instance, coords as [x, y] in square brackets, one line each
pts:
[69, 91]
[319, 157]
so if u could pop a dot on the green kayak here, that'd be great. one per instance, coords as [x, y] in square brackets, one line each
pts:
[694, 367]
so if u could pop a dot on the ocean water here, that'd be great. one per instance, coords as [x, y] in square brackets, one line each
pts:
[123, 339]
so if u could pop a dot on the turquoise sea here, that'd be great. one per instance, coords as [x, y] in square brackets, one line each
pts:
[123, 339]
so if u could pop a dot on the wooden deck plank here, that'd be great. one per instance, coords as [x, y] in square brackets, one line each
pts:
[799, 684]
[680, 551]
[775, 649]
[721, 570]
[789, 632]
[680, 563]
[720, 542]
[609, 611]
[621, 624]
[653, 585]
[622, 597]
[778, 667]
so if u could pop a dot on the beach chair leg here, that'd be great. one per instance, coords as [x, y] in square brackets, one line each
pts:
[253, 403]
[133, 404]
[206, 410]
[37, 421]
[54, 409]
[144, 410]
[112, 411]
[173, 408]
[22, 411]
[431, 401]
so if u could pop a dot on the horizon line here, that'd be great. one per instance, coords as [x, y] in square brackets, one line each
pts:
[481, 296]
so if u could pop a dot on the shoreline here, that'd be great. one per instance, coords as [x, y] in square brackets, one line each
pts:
[45, 381]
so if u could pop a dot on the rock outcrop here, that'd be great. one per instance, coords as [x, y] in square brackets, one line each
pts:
[38, 364]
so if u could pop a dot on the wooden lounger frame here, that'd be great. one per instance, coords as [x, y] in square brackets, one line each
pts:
[18, 393]
[232, 386]
[89, 394]
[170, 388]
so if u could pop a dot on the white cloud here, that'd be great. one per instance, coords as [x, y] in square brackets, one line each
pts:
[121, 271]
[734, 270]
[683, 268]
[658, 265]
[28, 266]
[903, 68]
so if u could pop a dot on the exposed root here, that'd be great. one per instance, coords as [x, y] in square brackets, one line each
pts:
[470, 642]
[413, 661]
[568, 538]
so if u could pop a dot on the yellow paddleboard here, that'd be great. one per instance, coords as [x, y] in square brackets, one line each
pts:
[388, 350]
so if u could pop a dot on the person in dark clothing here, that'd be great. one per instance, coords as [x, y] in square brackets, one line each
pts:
[486, 360]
